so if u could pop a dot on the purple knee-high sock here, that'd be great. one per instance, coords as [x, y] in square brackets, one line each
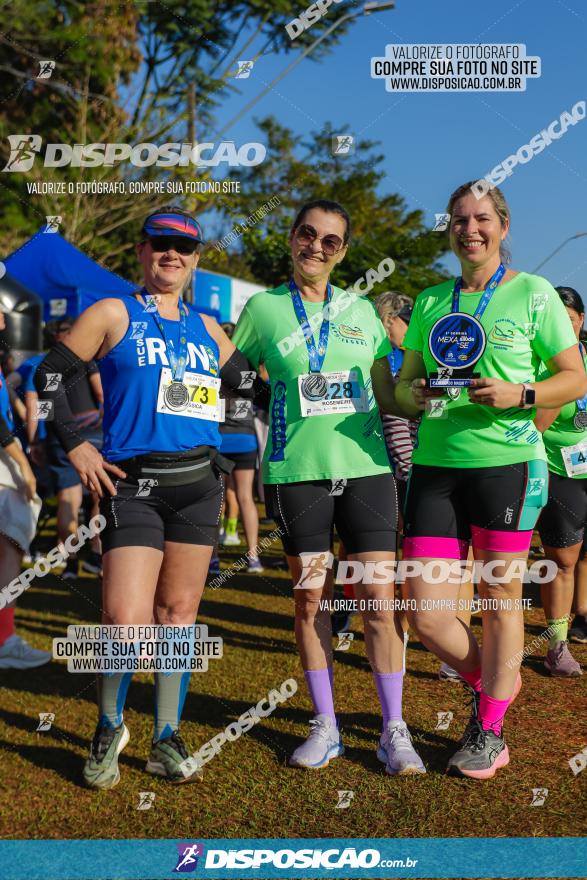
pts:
[389, 688]
[320, 687]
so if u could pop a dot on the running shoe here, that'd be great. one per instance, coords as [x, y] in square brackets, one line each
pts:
[15, 653]
[560, 662]
[447, 673]
[101, 768]
[231, 539]
[92, 564]
[167, 758]
[482, 753]
[214, 567]
[255, 566]
[396, 751]
[474, 704]
[69, 573]
[321, 746]
[578, 630]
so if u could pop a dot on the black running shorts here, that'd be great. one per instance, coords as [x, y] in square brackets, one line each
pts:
[147, 516]
[562, 522]
[363, 511]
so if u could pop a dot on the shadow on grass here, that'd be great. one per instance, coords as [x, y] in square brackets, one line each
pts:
[247, 616]
[50, 754]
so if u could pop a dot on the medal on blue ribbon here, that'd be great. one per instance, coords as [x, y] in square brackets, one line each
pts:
[457, 340]
[314, 387]
[176, 393]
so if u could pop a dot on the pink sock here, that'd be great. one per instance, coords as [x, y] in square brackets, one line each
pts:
[318, 681]
[473, 678]
[491, 712]
[389, 688]
[6, 624]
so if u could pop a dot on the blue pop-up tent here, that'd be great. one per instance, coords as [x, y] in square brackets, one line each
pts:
[65, 278]
[68, 281]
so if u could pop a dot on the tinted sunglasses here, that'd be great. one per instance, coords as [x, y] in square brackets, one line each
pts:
[331, 244]
[183, 246]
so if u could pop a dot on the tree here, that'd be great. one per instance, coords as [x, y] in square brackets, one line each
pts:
[295, 172]
[125, 73]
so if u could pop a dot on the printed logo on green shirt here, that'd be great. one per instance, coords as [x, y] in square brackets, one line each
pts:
[349, 333]
[502, 334]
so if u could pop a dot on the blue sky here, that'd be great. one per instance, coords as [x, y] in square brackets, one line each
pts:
[434, 141]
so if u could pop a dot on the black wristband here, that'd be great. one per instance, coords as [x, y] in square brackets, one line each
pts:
[61, 368]
[239, 375]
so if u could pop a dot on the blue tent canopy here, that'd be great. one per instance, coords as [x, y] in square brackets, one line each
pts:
[65, 278]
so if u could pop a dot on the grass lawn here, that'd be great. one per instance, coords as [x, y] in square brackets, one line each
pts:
[248, 790]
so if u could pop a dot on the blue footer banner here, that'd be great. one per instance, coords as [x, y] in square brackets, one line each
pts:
[528, 857]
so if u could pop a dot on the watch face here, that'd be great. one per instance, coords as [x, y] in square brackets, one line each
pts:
[530, 396]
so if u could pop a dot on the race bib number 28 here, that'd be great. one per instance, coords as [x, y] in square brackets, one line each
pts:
[327, 393]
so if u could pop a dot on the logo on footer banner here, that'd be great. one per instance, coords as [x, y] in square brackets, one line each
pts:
[187, 859]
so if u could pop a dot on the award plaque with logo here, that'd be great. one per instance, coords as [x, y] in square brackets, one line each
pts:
[457, 340]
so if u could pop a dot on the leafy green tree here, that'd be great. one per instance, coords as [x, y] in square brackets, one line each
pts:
[296, 171]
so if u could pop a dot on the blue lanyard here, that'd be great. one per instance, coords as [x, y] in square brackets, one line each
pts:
[395, 352]
[582, 402]
[488, 293]
[316, 355]
[178, 361]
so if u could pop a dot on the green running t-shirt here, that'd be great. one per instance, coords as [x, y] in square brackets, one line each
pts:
[525, 324]
[561, 433]
[317, 447]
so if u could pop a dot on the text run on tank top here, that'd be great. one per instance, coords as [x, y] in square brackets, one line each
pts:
[130, 374]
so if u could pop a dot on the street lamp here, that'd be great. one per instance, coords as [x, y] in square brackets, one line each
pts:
[570, 238]
[367, 9]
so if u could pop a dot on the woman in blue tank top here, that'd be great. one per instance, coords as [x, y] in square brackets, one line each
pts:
[161, 365]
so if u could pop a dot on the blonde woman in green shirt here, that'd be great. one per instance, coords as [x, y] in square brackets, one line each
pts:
[479, 470]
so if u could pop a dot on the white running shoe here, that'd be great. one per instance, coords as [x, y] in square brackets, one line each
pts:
[231, 539]
[255, 566]
[15, 653]
[447, 673]
[397, 752]
[322, 745]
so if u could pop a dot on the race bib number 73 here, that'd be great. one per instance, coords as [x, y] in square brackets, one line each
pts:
[203, 397]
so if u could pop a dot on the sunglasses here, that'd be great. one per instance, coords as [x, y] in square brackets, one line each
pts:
[331, 244]
[183, 246]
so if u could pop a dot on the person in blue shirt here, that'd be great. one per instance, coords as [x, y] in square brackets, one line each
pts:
[161, 365]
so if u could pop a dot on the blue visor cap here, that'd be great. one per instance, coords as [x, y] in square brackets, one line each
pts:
[173, 224]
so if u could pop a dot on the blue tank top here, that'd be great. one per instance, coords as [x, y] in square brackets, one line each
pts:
[130, 375]
[5, 408]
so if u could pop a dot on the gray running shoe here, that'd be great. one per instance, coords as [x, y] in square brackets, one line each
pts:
[578, 630]
[560, 662]
[101, 768]
[169, 758]
[480, 755]
[321, 746]
[397, 752]
[15, 653]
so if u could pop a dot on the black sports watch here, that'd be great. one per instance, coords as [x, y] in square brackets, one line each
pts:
[528, 396]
